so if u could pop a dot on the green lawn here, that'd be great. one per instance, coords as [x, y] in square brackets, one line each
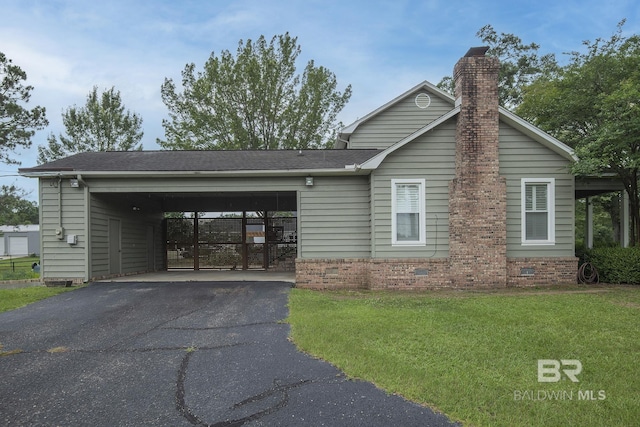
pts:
[474, 355]
[18, 268]
[15, 298]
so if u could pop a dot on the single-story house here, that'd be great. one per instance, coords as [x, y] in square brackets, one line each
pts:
[429, 190]
[19, 240]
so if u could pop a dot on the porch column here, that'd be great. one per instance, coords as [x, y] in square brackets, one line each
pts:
[588, 223]
[624, 220]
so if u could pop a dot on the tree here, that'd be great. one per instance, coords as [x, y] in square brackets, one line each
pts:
[101, 125]
[15, 209]
[520, 64]
[254, 100]
[17, 123]
[593, 105]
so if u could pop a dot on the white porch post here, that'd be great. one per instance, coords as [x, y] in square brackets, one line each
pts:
[588, 223]
[624, 220]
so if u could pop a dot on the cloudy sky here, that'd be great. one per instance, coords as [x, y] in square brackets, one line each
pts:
[381, 48]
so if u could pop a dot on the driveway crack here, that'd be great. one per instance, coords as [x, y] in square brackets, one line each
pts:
[211, 328]
[186, 412]
[154, 327]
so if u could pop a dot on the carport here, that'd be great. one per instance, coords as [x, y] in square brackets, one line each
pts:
[223, 231]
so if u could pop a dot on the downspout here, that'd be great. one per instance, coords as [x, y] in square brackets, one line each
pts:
[60, 230]
[87, 231]
[81, 181]
[344, 141]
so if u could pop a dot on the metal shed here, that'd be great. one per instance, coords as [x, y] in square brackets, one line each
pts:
[19, 240]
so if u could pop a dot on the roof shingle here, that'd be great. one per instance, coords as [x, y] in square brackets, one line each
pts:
[205, 161]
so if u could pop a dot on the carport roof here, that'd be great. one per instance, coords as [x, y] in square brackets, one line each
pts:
[206, 161]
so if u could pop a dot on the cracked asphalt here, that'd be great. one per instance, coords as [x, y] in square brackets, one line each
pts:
[178, 354]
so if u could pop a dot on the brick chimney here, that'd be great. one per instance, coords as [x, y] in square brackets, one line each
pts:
[477, 194]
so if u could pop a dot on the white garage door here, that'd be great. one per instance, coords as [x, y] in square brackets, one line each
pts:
[2, 246]
[18, 246]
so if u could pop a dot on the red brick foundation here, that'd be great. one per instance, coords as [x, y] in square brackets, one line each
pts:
[332, 274]
[409, 274]
[414, 274]
[541, 271]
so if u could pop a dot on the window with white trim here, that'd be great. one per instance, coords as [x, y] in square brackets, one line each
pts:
[407, 212]
[538, 211]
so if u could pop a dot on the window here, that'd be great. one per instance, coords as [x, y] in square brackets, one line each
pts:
[538, 211]
[408, 212]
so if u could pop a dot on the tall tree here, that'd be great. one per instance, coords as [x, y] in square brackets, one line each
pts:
[15, 209]
[101, 125]
[254, 100]
[520, 64]
[17, 123]
[593, 104]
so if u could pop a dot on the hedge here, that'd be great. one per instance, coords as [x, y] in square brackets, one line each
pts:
[615, 264]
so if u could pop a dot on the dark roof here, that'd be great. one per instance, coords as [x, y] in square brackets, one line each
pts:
[206, 161]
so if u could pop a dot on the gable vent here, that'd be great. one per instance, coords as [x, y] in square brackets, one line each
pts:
[423, 100]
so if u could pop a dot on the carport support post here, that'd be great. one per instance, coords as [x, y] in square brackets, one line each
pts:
[265, 248]
[196, 248]
[245, 258]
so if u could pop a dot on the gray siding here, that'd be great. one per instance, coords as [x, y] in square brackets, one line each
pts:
[395, 123]
[136, 250]
[58, 258]
[432, 157]
[99, 238]
[195, 184]
[334, 219]
[521, 157]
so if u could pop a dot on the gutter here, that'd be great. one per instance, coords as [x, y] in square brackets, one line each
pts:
[81, 175]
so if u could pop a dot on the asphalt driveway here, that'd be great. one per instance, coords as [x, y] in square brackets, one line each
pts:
[177, 354]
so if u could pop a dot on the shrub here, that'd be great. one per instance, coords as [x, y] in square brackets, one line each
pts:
[616, 265]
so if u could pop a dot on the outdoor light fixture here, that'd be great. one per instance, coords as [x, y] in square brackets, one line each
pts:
[74, 183]
[309, 181]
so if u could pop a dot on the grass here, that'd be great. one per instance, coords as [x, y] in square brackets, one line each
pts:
[11, 299]
[18, 268]
[474, 356]
[61, 349]
[9, 352]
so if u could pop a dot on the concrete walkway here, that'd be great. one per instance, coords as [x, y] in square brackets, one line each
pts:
[181, 276]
